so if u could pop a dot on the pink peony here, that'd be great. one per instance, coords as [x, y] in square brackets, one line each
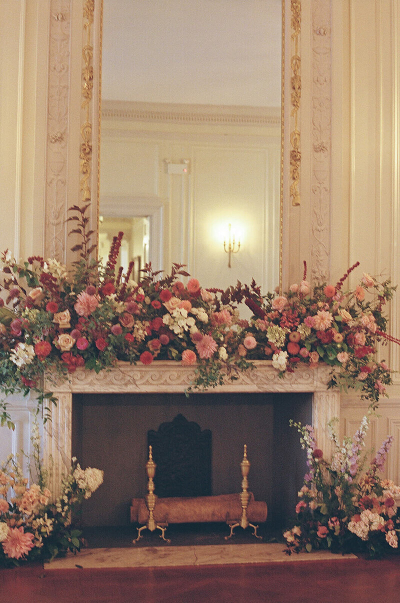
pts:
[18, 543]
[189, 358]
[206, 347]
[86, 304]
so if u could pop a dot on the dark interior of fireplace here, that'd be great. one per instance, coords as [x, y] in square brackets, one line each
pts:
[111, 432]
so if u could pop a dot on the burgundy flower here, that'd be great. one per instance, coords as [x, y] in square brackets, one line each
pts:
[107, 289]
[317, 453]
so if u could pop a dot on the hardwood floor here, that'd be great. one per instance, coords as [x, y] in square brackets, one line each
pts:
[338, 581]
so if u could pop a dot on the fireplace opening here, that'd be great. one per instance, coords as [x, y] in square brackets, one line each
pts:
[110, 432]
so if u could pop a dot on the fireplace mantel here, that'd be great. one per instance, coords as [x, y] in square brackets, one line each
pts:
[171, 377]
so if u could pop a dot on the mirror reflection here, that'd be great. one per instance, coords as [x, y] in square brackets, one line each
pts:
[191, 135]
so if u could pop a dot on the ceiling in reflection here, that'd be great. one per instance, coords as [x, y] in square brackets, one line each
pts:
[213, 52]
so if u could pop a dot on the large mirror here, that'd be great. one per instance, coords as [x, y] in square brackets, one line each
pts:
[190, 153]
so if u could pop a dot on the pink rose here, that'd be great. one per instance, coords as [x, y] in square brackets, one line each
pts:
[294, 288]
[249, 342]
[126, 320]
[207, 296]
[304, 288]
[279, 303]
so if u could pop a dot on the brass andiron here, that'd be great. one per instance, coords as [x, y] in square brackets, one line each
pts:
[244, 499]
[151, 501]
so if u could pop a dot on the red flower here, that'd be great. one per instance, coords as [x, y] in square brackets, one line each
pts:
[363, 350]
[330, 290]
[101, 344]
[156, 323]
[52, 307]
[28, 382]
[156, 304]
[317, 453]
[293, 348]
[129, 337]
[107, 289]
[139, 297]
[154, 345]
[178, 287]
[42, 349]
[146, 358]
[165, 295]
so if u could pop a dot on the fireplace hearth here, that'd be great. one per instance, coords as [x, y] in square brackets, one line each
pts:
[103, 420]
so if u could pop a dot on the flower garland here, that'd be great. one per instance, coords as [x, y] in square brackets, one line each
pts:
[53, 321]
[342, 508]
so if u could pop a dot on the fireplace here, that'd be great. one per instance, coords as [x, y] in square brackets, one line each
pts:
[103, 420]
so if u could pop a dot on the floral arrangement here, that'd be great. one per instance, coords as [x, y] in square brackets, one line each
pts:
[342, 507]
[32, 527]
[53, 321]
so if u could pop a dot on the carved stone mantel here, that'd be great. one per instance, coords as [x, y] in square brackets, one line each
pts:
[170, 377]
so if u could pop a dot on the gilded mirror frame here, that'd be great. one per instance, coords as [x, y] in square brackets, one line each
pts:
[290, 112]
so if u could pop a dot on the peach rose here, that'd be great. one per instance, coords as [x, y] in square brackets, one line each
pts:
[36, 293]
[172, 304]
[65, 342]
[63, 319]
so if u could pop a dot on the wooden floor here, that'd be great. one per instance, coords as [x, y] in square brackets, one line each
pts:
[338, 581]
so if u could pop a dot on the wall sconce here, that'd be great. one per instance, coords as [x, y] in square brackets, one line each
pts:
[231, 246]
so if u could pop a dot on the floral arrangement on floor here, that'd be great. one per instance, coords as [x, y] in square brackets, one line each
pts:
[31, 526]
[342, 506]
[53, 321]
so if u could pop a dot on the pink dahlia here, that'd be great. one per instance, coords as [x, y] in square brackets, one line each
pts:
[206, 346]
[322, 320]
[18, 543]
[86, 304]
[189, 357]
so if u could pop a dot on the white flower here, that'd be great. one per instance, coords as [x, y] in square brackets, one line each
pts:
[279, 361]
[22, 354]
[223, 354]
